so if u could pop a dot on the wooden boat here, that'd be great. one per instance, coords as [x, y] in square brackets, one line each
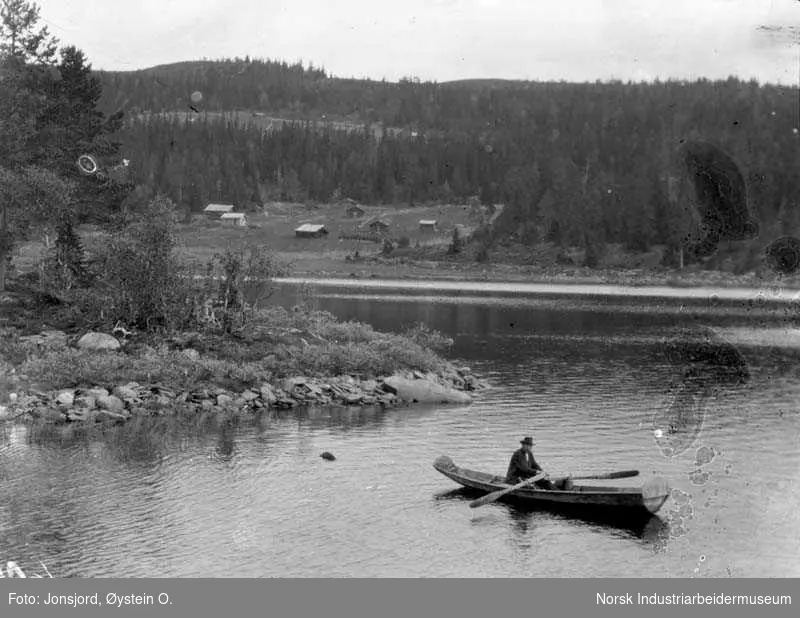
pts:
[648, 498]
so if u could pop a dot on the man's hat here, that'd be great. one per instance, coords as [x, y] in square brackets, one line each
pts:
[528, 440]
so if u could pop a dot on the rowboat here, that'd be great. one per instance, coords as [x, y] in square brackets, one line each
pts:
[647, 499]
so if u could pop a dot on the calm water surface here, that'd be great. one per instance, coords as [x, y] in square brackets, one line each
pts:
[584, 375]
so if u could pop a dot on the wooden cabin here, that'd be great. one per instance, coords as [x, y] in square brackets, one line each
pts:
[311, 230]
[215, 210]
[354, 212]
[236, 218]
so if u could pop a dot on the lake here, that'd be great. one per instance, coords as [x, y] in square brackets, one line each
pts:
[582, 370]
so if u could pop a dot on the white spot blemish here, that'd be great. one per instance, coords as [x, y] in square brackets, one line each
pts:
[658, 433]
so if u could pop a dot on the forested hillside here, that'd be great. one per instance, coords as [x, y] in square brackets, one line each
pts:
[575, 163]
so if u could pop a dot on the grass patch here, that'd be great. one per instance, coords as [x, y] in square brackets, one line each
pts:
[79, 368]
[278, 344]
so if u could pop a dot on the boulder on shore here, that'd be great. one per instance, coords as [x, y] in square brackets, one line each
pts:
[267, 394]
[125, 393]
[191, 354]
[423, 391]
[65, 398]
[108, 416]
[98, 342]
[110, 403]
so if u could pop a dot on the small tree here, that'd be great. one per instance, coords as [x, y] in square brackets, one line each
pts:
[457, 243]
[245, 281]
[145, 283]
[26, 197]
[482, 253]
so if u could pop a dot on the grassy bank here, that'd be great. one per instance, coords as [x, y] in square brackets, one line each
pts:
[277, 344]
[282, 359]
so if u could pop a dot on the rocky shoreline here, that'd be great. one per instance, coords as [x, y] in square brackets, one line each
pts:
[118, 403]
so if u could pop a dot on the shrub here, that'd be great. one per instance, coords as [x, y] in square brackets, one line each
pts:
[482, 252]
[457, 243]
[12, 350]
[141, 281]
[245, 280]
[593, 254]
[64, 265]
[403, 242]
[426, 337]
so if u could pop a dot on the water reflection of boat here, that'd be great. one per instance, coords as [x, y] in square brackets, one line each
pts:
[641, 525]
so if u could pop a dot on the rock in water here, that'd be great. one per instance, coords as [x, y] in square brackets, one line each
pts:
[328, 456]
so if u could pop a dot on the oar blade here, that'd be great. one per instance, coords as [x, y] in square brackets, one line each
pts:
[623, 474]
[486, 499]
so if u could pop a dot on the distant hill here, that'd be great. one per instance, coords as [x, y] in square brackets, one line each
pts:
[297, 92]
[575, 163]
[487, 83]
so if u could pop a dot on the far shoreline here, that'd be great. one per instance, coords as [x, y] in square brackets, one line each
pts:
[511, 275]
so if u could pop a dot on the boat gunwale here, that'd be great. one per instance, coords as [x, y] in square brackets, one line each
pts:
[579, 490]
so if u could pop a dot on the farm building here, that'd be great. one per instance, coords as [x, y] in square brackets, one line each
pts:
[215, 210]
[354, 211]
[237, 218]
[427, 225]
[377, 225]
[311, 230]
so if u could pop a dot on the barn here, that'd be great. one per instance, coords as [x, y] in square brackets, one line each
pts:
[236, 218]
[378, 225]
[215, 210]
[354, 212]
[311, 230]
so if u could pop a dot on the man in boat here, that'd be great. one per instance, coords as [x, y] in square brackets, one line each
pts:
[523, 466]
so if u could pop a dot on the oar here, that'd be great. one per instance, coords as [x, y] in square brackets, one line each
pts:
[499, 494]
[624, 474]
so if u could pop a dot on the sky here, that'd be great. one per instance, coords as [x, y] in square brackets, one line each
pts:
[442, 40]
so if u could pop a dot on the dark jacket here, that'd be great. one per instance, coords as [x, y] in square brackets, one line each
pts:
[522, 466]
